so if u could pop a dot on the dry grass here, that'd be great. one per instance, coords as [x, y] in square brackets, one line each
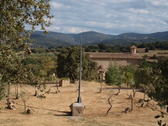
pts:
[158, 53]
[155, 52]
[54, 109]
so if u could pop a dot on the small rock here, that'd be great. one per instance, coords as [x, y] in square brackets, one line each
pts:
[127, 110]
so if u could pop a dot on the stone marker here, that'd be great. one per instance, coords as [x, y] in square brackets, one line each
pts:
[77, 109]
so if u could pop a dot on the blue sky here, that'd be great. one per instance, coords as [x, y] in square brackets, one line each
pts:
[109, 16]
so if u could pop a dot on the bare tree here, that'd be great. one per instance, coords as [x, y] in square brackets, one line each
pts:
[109, 101]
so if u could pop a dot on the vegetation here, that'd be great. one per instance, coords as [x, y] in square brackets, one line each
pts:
[14, 17]
[68, 65]
[24, 96]
[37, 68]
[151, 77]
[113, 75]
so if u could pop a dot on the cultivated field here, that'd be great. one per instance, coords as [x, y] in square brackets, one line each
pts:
[54, 109]
[157, 53]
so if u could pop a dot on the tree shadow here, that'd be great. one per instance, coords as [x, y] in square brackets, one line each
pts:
[60, 113]
[63, 113]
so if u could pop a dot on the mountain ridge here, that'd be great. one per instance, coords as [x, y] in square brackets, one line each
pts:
[56, 39]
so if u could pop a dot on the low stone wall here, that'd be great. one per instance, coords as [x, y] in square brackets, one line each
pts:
[64, 83]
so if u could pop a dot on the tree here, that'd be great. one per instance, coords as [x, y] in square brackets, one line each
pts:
[113, 76]
[24, 96]
[161, 80]
[18, 14]
[48, 67]
[103, 46]
[128, 77]
[68, 65]
[15, 16]
[10, 70]
[142, 79]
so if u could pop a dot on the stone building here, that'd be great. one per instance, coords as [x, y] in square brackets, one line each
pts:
[119, 59]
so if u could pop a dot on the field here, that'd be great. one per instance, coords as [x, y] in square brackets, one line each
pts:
[157, 53]
[54, 109]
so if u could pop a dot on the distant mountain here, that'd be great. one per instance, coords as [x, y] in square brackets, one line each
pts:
[55, 39]
[136, 36]
[92, 37]
[52, 39]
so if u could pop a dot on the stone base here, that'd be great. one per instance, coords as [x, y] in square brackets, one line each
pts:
[77, 109]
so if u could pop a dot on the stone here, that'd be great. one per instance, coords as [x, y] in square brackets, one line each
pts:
[141, 100]
[29, 111]
[11, 105]
[40, 96]
[77, 109]
[127, 110]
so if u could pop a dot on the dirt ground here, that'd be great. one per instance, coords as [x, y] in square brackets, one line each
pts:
[54, 109]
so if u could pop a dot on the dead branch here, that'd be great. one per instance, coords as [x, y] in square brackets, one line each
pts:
[109, 101]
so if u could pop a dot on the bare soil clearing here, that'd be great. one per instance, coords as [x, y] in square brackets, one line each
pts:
[54, 109]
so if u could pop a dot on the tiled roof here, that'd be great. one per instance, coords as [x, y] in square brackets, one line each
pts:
[98, 55]
[133, 47]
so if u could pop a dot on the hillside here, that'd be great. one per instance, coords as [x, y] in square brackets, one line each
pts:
[55, 39]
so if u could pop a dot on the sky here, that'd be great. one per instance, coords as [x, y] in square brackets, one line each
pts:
[109, 16]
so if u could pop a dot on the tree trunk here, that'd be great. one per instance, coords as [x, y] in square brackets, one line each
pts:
[101, 87]
[109, 101]
[119, 90]
[145, 94]
[24, 106]
[134, 92]
[17, 91]
[35, 93]
[132, 103]
[8, 96]
[57, 91]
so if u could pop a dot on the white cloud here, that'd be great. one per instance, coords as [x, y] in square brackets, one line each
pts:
[56, 5]
[109, 16]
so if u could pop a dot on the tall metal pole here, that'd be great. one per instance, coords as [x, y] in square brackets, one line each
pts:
[79, 100]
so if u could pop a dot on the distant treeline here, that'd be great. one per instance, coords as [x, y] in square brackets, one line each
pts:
[126, 48]
[107, 48]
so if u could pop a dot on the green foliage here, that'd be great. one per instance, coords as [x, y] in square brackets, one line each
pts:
[15, 15]
[24, 96]
[89, 68]
[128, 75]
[30, 60]
[143, 78]
[41, 66]
[2, 90]
[161, 85]
[68, 64]
[154, 78]
[113, 75]
[10, 66]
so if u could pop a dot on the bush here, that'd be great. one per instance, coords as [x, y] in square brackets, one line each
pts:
[113, 75]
